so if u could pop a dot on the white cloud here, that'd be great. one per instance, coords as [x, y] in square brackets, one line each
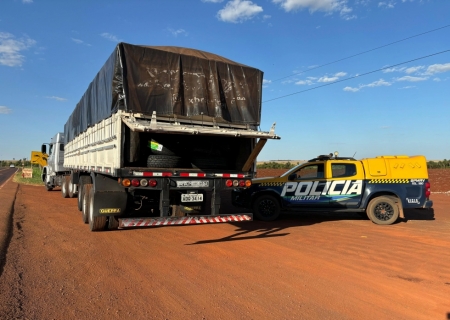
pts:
[312, 5]
[332, 78]
[377, 83]
[411, 79]
[266, 81]
[110, 37]
[238, 11]
[10, 49]
[78, 41]
[304, 82]
[394, 69]
[27, 1]
[386, 4]
[438, 68]
[57, 98]
[213, 1]
[413, 69]
[4, 110]
[177, 32]
[407, 87]
[350, 89]
[437, 79]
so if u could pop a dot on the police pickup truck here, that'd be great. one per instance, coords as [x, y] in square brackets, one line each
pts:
[380, 187]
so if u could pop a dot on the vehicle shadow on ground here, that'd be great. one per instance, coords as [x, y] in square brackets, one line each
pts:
[270, 229]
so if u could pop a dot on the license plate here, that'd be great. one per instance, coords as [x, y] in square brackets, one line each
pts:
[193, 183]
[197, 197]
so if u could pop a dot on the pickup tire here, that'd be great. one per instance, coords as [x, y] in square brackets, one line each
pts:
[85, 202]
[65, 186]
[266, 208]
[96, 223]
[163, 161]
[382, 210]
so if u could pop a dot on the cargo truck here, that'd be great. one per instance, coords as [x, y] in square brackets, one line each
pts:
[159, 135]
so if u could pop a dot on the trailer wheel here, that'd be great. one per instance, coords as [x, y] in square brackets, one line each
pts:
[85, 202]
[162, 161]
[96, 223]
[266, 208]
[65, 186]
[382, 210]
[82, 181]
[72, 190]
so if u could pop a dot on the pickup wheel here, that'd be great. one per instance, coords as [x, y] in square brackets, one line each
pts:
[85, 202]
[65, 186]
[96, 223]
[382, 210]
[266, 208]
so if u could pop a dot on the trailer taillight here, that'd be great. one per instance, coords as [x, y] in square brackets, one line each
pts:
[135, 183]
[248, 183]
[144, 182]
[152, 183]
[427, 189]
[126, 182]
[229, 183]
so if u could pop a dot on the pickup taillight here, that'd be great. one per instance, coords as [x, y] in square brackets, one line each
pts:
[427, 189]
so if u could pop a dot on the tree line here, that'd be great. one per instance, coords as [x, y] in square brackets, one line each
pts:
[444, 164]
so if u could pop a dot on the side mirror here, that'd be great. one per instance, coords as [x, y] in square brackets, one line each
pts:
[292, 176]
[43, 149]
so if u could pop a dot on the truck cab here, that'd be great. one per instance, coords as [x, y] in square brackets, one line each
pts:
[51, 173]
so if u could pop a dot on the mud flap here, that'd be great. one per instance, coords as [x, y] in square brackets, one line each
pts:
[110, 198]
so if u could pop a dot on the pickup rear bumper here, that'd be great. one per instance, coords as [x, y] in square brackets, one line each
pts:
[427, 204]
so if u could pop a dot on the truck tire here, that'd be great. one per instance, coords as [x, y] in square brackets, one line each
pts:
[162, 161]
[382, 210]
[72, 190]
[266, 208]
[85, 202]
[96, 223]
[82, 181]
[65, 186]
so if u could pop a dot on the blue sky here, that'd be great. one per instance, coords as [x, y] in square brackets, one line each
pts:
[51, 50]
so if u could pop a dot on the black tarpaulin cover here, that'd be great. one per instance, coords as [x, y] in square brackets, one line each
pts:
[177, 81]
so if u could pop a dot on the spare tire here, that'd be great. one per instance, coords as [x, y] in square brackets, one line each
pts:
[163, 161]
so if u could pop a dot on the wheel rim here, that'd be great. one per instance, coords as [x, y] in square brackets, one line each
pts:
[267, 208]
[383, 211]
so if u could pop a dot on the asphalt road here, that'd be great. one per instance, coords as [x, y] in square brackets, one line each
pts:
[311, 266]
[6, 173]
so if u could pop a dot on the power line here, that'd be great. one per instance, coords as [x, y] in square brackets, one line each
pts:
[327, 64]
[357, 76]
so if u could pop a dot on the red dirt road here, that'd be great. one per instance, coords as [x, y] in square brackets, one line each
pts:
[309, 266]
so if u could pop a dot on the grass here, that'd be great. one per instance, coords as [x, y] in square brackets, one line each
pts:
[35, 181]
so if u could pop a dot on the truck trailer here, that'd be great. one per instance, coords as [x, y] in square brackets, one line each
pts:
[156, 138]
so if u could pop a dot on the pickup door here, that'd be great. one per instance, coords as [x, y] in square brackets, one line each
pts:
[345, 183]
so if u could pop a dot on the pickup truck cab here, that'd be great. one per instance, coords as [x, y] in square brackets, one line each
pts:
[381, 187]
